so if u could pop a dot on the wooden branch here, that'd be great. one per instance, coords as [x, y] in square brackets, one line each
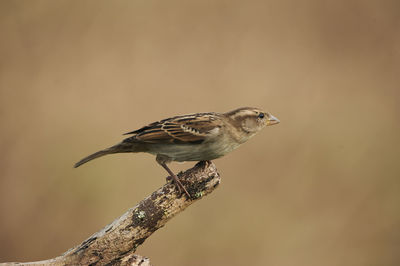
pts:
[116, 243]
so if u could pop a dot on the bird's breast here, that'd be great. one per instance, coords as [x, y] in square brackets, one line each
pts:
[208, 150]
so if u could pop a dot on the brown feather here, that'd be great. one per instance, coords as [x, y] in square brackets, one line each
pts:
[179, 129]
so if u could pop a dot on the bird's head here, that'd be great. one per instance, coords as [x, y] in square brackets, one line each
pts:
[251, 120]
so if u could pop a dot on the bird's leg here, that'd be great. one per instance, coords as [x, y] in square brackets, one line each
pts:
[176, 179]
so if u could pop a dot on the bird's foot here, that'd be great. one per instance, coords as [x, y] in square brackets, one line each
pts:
[175, 179]
[181, 188]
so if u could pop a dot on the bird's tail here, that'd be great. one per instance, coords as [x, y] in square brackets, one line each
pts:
[121, 147]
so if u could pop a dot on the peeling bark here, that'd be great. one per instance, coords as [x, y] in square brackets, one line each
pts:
[116, 243]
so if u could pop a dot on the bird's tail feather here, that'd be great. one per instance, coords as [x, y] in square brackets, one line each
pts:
[121, 147]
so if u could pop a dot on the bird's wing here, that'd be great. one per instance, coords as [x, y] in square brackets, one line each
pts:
[180, 129]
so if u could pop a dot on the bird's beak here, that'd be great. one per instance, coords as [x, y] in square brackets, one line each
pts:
[272, 120]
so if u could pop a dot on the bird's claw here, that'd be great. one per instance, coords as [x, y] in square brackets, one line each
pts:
[179, 186]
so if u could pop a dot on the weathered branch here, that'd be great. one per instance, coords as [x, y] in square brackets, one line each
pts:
[116, 243]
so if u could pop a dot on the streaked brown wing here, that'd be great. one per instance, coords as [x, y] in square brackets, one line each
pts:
[180, 129]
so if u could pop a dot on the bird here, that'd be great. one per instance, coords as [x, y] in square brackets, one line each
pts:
[192, 137]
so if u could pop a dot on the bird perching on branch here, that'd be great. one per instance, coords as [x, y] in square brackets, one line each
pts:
[193, 137]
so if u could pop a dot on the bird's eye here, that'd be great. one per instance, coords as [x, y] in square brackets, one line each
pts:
[261, 115]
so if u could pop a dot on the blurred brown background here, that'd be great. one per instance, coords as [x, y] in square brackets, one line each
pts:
[321, 188]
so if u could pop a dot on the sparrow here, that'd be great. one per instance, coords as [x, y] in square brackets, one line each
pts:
[192, 137]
